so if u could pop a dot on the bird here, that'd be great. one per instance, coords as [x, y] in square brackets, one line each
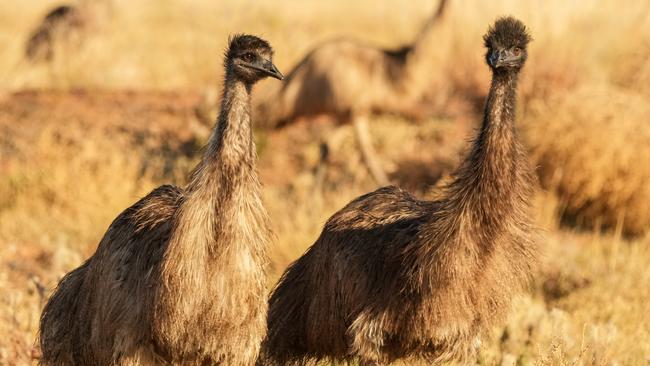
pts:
[66, 24]
[349, 80]
[179, 277]
[393, 277]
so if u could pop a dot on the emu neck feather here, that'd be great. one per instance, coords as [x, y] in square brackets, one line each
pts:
[492, 178]
[223, 183]
[493, 154]
[230, 154]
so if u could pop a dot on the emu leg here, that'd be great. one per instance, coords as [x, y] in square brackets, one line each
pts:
[321, 169]
[328, 146]
[367, 150]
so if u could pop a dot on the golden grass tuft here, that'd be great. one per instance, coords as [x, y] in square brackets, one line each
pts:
[593, 149]
[72, 178]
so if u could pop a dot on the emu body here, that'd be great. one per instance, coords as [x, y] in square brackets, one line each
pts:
[179, 277]
[348, 81]
[393, 277]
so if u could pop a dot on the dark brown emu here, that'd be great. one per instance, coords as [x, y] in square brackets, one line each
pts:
[392, 277]
[179, 277]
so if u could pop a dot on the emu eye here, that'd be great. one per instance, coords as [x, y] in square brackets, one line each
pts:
[248, 57]
[516, 51]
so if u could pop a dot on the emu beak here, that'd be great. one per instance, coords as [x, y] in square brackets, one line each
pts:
[266, 67]
[495, 58]
[499, 58]
[272, 71]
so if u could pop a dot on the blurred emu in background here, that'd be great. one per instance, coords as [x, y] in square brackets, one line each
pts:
[348, 80]
[65, 26]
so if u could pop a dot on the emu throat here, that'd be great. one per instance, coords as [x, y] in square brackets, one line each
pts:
[229, 158]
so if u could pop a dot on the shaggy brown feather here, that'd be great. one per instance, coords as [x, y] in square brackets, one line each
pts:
[393, 277]
[179, 276]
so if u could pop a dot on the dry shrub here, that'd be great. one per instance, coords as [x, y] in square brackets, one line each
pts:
[635, 70]
[593, 148]
[71, 182]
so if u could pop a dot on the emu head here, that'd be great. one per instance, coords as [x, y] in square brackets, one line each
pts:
[506, 43]
[250, 59]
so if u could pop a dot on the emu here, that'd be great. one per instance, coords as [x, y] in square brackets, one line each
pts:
[349, 80]
[65, 24]
[179, 277]
[393, 277]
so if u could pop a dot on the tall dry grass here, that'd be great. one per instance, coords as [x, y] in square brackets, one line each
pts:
[593, 147]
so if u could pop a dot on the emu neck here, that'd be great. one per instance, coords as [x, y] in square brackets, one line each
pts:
[490, 182]
[497, 130]
[430, 25]
[229, 158]
[220, 217]
[426, 54]
[223, 182]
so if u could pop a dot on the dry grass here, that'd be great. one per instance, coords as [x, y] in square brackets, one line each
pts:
[178, 44]
[70, 163]
[594, 150]
[587, 307]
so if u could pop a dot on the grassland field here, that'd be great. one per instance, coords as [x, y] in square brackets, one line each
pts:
[85, 136]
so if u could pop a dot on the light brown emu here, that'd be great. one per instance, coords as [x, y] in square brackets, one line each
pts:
[179, 277]
[392, 277]
[349, 80]
[65, 24]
